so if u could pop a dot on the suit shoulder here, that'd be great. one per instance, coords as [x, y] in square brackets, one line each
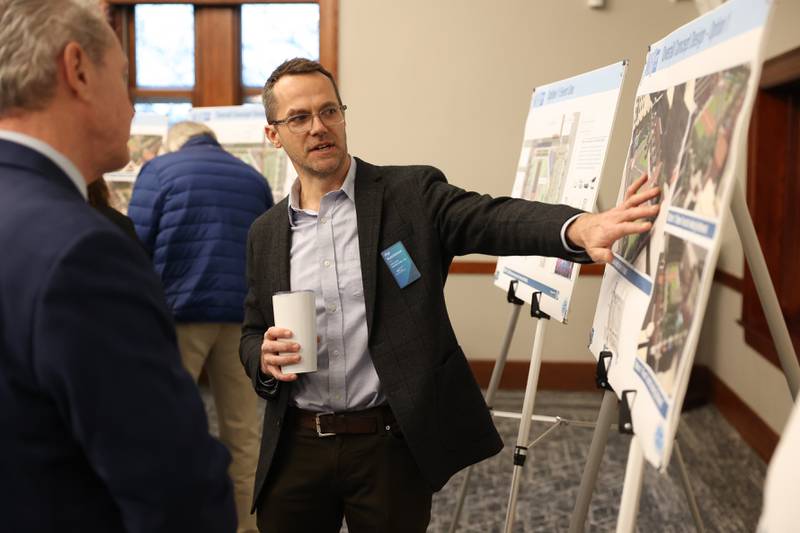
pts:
[407, 172]
[403, 176]
[271, 216]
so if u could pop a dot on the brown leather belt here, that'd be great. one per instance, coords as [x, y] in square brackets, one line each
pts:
[363, 422]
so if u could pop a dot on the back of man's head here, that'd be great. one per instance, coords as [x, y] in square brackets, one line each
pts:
[32, 35]
[181, 132]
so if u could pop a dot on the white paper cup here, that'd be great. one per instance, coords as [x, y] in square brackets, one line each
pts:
[296, 311]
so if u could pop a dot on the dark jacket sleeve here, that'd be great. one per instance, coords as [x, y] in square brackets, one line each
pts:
[121, 221]
[104, 348]
[469, 222]
[253, 329]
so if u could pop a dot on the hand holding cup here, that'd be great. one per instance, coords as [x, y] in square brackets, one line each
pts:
[276, 353]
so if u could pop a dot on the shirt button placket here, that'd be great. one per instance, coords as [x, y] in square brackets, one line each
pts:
[330, 293]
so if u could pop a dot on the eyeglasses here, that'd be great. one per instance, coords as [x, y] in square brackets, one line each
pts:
[301, 123]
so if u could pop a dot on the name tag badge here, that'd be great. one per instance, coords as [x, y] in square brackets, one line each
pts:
[400, 264]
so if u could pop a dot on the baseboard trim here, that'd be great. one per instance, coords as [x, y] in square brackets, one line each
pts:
[488, 267]
[552, 375]
[580, 377]
[751, 427]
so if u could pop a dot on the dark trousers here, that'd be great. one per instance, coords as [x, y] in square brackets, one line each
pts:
[371, 480]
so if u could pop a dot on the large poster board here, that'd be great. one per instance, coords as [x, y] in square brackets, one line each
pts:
[148, 131]
[240, 130]
[690, 119]
[563, 150]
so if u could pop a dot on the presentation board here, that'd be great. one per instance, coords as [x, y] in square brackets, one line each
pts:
[240, 130]
[148, 131]
[563, 150]
[690, 121]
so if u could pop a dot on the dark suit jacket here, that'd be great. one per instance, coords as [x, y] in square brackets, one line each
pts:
[121, 221]
[421, 367]
[101, 428]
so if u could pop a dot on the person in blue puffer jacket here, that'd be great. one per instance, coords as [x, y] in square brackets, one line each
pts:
[192, 209]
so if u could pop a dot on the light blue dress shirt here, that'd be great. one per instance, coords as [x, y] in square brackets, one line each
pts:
[325, 258]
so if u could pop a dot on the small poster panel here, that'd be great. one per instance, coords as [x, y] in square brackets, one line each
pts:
[690, 121]
[240, 130]
[148, 131]
[563, 150]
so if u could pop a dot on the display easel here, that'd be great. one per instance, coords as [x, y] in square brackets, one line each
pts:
[526, 416]
[634, 469]
[602, 427]
[604, 84]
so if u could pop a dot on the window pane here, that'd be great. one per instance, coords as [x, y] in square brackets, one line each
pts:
[273, 33]
[174, 111]
[164, 45]
[252, 99]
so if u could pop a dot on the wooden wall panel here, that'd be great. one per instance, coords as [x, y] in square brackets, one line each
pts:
[218, 56]
[329, 36]
[773, 196]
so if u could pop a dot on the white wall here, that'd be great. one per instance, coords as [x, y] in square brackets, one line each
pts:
[448, 83]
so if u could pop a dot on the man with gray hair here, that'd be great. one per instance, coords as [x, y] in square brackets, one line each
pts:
[192, 208]
[103, 430]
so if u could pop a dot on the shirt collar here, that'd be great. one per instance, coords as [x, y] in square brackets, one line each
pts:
[51, 153]
[348, 188]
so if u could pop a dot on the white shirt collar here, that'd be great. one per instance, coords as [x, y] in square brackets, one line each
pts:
[51, 153]
[348, 187]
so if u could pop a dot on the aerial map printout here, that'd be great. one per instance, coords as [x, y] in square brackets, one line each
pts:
[148, 131]
[563, 149]
[690, 121]
[240, 130]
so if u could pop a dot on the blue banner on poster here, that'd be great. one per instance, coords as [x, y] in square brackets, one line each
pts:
[652, 387]
[536, 285]
[597, 81]
[696, 225]
[729, 20]
[630, 273]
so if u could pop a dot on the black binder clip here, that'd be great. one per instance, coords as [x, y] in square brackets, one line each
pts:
[520, 453]
[625, 421]
[536, 311]
[512, 293]
[601, 374]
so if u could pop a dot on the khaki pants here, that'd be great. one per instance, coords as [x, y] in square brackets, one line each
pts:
[216, 346]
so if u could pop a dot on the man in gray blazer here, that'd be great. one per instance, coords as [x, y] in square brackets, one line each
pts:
[393, 410]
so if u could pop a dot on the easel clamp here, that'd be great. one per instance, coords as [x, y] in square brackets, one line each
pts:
[511, 296]
[536, 311]
[601, 374]
[625, 404]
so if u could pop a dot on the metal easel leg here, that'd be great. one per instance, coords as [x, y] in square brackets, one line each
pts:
[765, 289]
[687, 488]
[605, 418]
[520, 451]
[631, 489]
[494, 384]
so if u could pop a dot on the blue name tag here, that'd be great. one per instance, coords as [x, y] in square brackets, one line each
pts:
[400, 265]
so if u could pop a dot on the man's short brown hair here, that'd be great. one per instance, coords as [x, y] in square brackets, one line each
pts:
[298, 65]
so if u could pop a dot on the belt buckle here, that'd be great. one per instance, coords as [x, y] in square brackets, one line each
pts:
[317, 424]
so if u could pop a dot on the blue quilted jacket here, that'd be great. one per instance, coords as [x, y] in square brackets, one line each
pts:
[192, 210]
